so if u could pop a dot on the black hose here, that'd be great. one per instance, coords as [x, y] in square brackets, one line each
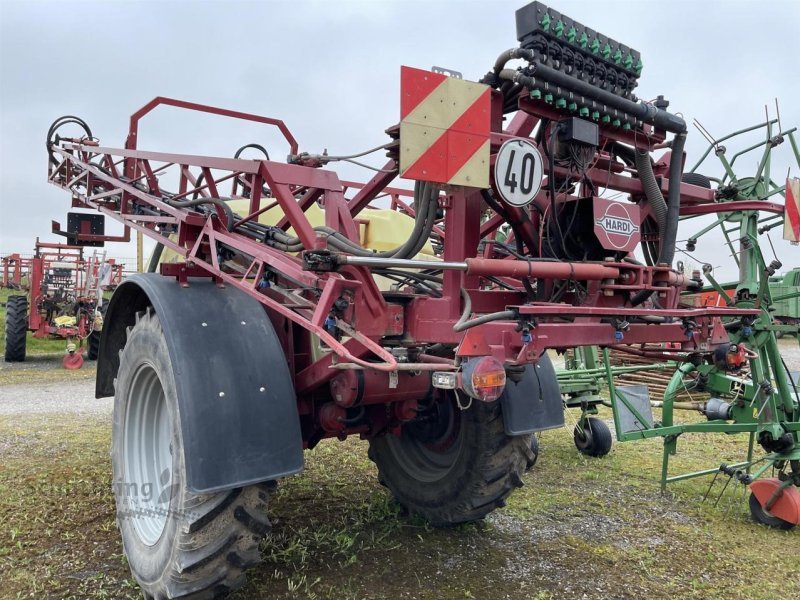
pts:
[199, 202]
[60, 122]
[155, 257]
[674, 200]
[652, 191]
[463, 324]
[258, 147]
[669, 234]
[426, 198]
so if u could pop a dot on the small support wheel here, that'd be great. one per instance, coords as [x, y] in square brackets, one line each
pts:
[762, 516]
[594, 438]
[534, 456]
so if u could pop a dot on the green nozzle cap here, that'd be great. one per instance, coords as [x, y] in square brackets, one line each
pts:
[561, 103]
[617, 56]
[606, 51]
[548, 98]
[545, 22]
[584, 112]
[558, 28]
[571, 35]
[606, 119]
[584, 41]
[595, 47]
[596, 116]
[628, 62]
[616, 123]
[536, 94]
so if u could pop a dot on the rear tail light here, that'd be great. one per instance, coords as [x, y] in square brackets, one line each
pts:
[483, 378]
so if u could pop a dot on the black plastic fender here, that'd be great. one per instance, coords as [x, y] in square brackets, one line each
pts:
[534, 402]
[236, 400]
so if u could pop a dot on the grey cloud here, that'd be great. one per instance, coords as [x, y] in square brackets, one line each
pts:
[331, 71]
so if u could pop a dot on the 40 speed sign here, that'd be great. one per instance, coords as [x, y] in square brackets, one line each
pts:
[518, 171]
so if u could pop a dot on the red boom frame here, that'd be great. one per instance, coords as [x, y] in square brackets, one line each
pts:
[124, 184]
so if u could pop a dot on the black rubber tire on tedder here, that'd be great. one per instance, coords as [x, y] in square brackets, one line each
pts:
[452, 466]
[594, 438]
[178, 543]
[761, 516]
[697, 179]
[16, 328]
[534, 445]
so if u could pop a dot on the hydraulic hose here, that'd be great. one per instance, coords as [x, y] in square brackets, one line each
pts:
[155, 257]
[426, 198]
[669, 234]
[60, 122]
[463, 324]
[220, 202]
[674, 204]
[652, 192]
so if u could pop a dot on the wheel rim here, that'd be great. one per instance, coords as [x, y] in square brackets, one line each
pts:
[583, 436]
[429, 459]
[147, 455]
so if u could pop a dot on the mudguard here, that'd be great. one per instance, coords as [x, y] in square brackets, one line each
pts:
[534, 402]
[238, 410]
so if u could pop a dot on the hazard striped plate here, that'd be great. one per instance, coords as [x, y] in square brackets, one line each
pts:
[444, 129]
[791, 217]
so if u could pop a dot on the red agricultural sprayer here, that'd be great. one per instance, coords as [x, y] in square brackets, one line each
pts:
[64, 300]
[280, 316]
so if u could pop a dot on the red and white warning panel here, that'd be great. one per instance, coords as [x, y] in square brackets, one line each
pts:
[791, 216]
[444, 129]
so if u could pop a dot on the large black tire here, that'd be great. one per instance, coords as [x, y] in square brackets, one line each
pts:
[452, 466]
[93, 340]
[697, 179]
[179, 544]
[761, 516]
[16, 328]
[594, 438]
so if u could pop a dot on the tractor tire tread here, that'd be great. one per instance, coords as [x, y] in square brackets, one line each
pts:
[497, 465]
[16, 334]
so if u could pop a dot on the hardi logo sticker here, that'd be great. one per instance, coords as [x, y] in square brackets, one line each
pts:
[616, 225]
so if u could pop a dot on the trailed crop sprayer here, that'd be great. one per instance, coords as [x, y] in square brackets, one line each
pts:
[285, 320]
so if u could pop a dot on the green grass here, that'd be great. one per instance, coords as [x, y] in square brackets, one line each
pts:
[580, 527]
[33, 345]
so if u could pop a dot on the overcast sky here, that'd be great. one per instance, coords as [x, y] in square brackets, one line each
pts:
[330, 70]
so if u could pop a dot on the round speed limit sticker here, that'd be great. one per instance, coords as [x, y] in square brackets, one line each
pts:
[518, 171]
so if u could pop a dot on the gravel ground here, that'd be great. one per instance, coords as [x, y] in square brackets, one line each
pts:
[40, 385]
[76, 397]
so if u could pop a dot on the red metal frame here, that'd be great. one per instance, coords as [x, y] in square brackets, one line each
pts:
[16, 271]
[59, 275]
[121, 184]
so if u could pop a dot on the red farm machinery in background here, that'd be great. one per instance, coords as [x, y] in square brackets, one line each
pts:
[64, 300]
[16, 271]
[277, 317]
